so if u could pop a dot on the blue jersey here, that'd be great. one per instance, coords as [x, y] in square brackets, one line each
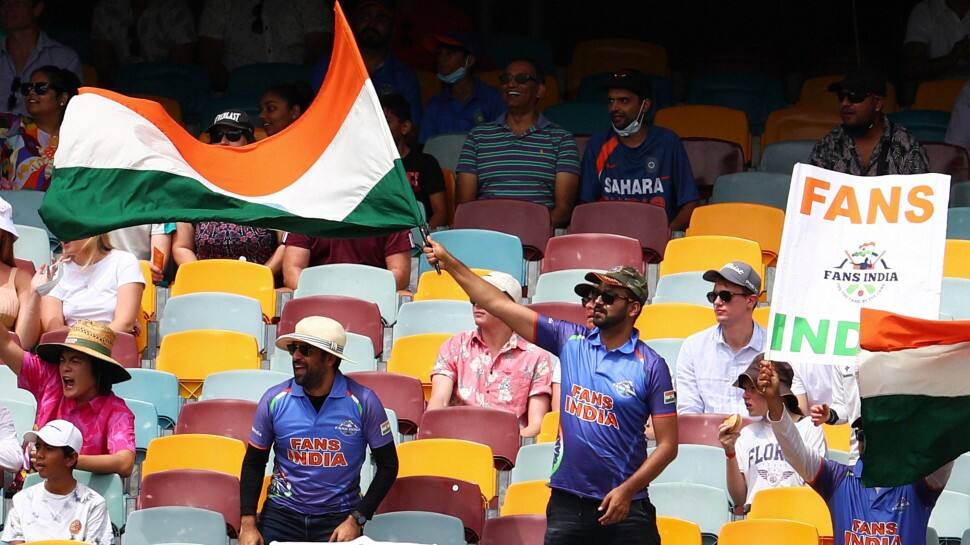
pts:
[607, 396]
[319, 454]
[445, 114]
[657, 171]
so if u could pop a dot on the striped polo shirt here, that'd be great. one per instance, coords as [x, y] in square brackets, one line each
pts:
[510, 166]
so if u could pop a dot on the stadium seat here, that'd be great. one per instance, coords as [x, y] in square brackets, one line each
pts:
[23, 412]
[700, 429]
[351, 280]
[526, 498]
[160, 388]
[188, 84]
[356, 315]
[926, 125]
[228, 276]
[523, 529]
[170, 105]
[568, 312]
[557, 286]
[673, 320]
[212, 310]
[948, 159]
[420, 317]
[232, 418]
[949, 517]
[959, 194]
[32, 244]
[194, 355]
[124, 349]
[446, 148]
[781, 157]
[754, 94]
[761, 315]
[954, 297]
[528, 221]
[533, 463]
[25, 205]
[697, 464]
[579, 117]
[798, 503]
[193, 488]
[939, 95]
[799, 123]
[460, 499]
[401, 393]
[837, 436]
[252, 79]
[495, 428]
[109, 485]
[415, 356]
[956, 260]
[146, 422]
[762, 224]
[607, 55]
[701, 253]
[550, 98]
[710, 159]
[549, 431]
[434, 287]
[839, 456]
[481, 249]
[592, 251]
[592, 88]
[454, 458]
[175, 524]
[668, 349]
[685, 287]
[744, 532]
[958, 223]
[637, 220]
[679, 531]
[815, 95]
[708, 122]
[149, 304]
[705, 506]
[416, 527]
[765, 188]
[194, 451]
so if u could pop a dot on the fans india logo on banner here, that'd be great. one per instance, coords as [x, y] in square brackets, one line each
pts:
[862, 274]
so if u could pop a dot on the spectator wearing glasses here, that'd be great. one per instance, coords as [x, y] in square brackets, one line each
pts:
[28, 142]
[320, 424]
[867, 143]
[493, 367]
[27, 48]
[521, 155]
[224, 240]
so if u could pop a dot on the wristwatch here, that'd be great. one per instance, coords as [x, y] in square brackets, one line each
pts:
[359, 518]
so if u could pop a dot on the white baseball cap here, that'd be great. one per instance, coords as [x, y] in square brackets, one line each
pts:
[506, 283]
[57, 433]
[6, 219]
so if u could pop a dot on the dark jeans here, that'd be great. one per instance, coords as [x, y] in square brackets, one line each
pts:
[574, 520]
[277, 523]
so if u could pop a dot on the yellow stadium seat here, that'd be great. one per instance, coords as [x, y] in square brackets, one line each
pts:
[526, 498]
[432, 285]
[606, 55]
[749, 532]
[551, 97]
[799, 123]
[172, 106]
[194, 451]
[415, 355]
[148, 302]
[956, 260]
[797, 503]
[701, 253]
[673, 320]
[450, 205]
[837, 436]
[453, 458]
[938, 94]
[678, 531]
[762, 315]
[228, 276]
[815, 95]
[549, 430]
[708, 122]
[762, 224]
[193, 355]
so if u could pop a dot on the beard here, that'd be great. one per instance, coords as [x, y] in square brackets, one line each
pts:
[604, 320]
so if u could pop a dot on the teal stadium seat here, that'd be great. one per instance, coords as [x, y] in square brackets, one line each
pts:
[359, 349]
[592, 89]
[392, 420]
[109, 485]
[756, 95]
[361, 281]
[416, 527]
[951, 515]
[9, 389]
[446, 148]
[245, 384]
[146, 422]
[767, 188]
[579, 117]
[698, 464]
[668, 349]
[960, 476]
[160, 388]
[958, 223]
[188, 84]
[960, 194]
[686, 287]
[480, 249]
[926, 125]
[174, 524]
[25, 206]
[703, 505]
[781, 157]
[839, 456]
[23, 414]
[557, 286]
[32, 244]
[434, 316]
[954, 300]
[252, 79]
[533, 463]
[212, 310]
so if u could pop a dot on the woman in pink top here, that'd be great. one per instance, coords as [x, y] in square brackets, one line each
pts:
[72, 381]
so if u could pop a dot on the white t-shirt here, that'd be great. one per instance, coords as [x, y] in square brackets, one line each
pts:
[91, 293]
[816, 380]
[933, 23]
[761, 461]
[39, 515]
[137, 239]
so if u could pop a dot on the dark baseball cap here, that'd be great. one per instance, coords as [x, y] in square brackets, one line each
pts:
[632, 80]
[736, 272]
[237, 119]
[785, 377]
[624, 277]
[862, 81]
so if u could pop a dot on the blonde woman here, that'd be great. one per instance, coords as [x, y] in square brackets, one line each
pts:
[15, 291]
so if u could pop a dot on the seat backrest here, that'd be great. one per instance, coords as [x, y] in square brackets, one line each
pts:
[415, 356]
[528, 221]
[549, 430]
[33, 245]
[482, 249]
[685, 287]
[958, 223]
[401, 393]
[160, 388]
[569, 312]
[948, 159]
[351, 280]
[680, 531]
[146, 422]
[25, 205]
[212, 310]
[446, 148]
[767, 531]
[592, 251]
[495, 428]
[753, 93]
[700, 429]
[938, 95]
[356, 315]
[925, 125]
[193, 355]
[558, 286]
[124, 349]
[460, 499]
[454, 458]
[781, 157]
[701, 253]
[799, 123]
[703, 505]
[231, 418]
[959, 195]
[711, 158]
[194, 451]
[607, 55]
[697, 464]
[228, 276]
[953, 300]
[175, 524]
[762, 224]
[416, 527]
[638, 220]
[578, 117]
[949, 516]
[245, 384]
[767, 188]
[23, 413]
[798, 503]
[533, 463]
[526, 498]
[193, 488]
[956, 259]
[433, 286]
[708, 122]
[837, 436]
[514, 529]
[674, 320]
[668, 349]
[444, 316]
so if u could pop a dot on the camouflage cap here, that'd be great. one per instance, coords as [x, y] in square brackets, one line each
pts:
[624, 277]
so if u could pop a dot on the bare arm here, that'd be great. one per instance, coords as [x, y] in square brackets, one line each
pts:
[183, 247]
[28, 317]
[439, 212]
[400, 265]
[51, 313]
[163, 243]
[10, 353]
[295, 259]
[121, 462]
[803, 460]
[682, 219]
[275, 261]
[737, 486]
[567, 185]
[441, 388]
[127, 307]
[537, 408]
[466, 187]
[556, 395]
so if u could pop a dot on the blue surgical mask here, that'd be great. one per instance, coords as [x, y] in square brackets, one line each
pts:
[454, 77]
[634, 125]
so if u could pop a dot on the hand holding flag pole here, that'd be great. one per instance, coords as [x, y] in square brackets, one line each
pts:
[426, 237]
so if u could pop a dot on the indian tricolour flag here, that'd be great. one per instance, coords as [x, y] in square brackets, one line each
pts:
[334, 172]
[914, 381]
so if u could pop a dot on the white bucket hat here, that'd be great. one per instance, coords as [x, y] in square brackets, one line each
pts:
[324, 333]
[57, 433]
[6, 219]
[506, 283]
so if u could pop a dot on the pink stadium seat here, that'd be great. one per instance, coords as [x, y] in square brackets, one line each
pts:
[125, 350]
[569, 312]
[400, 393]
[521, 529]
[710, 158]
[210, 490]
[497, 429]
[592, 251]
[948, 159]
[701, 429]
[528, 221]
[460, 499]
[638, 220]
[356, 315]
[231, 418]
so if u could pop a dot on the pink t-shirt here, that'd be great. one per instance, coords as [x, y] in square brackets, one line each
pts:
[106, 422]
[520, 371]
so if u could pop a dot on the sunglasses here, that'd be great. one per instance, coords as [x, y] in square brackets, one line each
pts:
[854, 98]
[608, 297]
[724, 295]
[231, 135]
[521, 79]
[304, 348]
[38, 88]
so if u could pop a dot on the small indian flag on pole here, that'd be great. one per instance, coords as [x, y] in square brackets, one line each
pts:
[334, 172]
[914, 381]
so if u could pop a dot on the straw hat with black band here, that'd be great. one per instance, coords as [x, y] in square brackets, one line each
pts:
[94, 339]
[324, 333]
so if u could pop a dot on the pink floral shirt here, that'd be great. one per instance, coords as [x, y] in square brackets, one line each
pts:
[106, 422]
[521, 370]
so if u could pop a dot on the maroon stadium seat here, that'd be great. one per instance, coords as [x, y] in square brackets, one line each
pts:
[356, 315]
[400, 393]
[497, 429]
[569, 312]
[459, 499]
[517, 529]
[26, 265]
[948, 159]
[528, 221]
[125, 350]
[225, 417]
[638, 220]
[710, 158]
[592, 251]
[701, 429]
[212, 490]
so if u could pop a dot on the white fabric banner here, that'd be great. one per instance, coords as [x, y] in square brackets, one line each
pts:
[851, 242]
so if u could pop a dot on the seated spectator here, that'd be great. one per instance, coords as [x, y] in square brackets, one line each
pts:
[464, 101]
[60, 508]
[635, 161]
[521, 155]
[224, 240]
[492, 367]
[133, 31]
[758, 460]
[151, 243]
[27, 48]
[867, 143]
[234, 33]
[97, 283]
[72, 381]
[28, 142]
[11, 455]
[391, 252]
[423, 170]
[958, 131]
[283, 104]
[937, 42]
[15, 292]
